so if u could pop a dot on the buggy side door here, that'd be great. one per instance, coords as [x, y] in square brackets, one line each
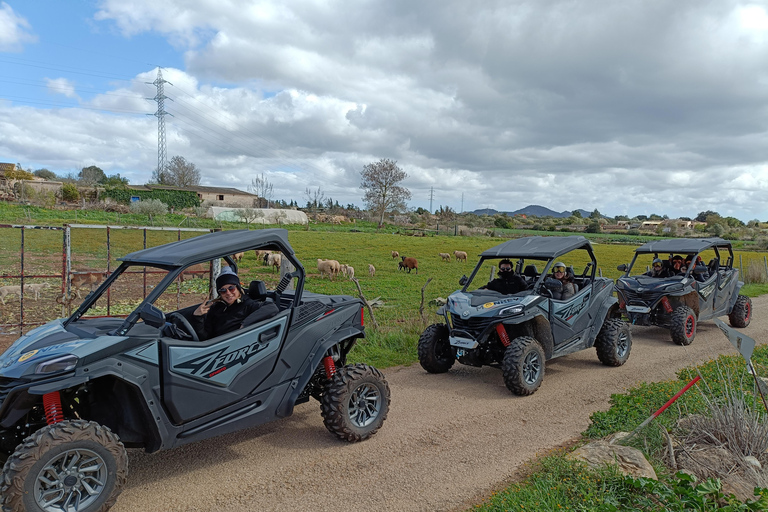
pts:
[202, 377]
[570, 319]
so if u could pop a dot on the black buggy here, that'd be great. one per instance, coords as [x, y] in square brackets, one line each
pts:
[75, 392]
[519, 332]
[679, 300]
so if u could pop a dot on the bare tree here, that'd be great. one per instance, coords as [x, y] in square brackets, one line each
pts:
[383, 192]
[262, 188]
[314, 198]
[161, 177]
[180, 173]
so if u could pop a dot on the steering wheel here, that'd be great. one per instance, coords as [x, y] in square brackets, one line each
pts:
[183, 325]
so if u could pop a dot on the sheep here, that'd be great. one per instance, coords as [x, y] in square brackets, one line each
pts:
[409, 263]
[8, 290]
[444, 256]
[238, 256]
[371, 270]
[326, 267]
[395, 254]
[37, 288]
[460, 255]
[275, 260]
[344, 270]
[350, 273]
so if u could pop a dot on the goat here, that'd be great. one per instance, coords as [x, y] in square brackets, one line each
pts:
[444, 256]
[395, 254]
[371, 270]
[460, 255]
[410, 264]
[89, 279]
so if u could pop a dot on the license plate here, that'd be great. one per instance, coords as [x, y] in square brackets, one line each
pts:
[462, 342]
[638, 309]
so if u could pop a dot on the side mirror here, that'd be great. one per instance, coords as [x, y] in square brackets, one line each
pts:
[152, 316]
[622, 267]
[463, 280]
[553, 284]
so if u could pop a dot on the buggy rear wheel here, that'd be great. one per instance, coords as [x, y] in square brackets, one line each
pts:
[523, 366]
[69, 466]
[741, 314]
[683, 328]
[614, 342]
[355, 402]
[434, 349]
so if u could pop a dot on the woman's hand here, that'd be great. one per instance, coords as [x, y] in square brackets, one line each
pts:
[203, 308]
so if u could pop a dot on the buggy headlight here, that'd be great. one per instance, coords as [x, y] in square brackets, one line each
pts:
[512, 310]
[59, 364]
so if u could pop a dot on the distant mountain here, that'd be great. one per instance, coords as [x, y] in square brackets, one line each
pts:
[535, 210]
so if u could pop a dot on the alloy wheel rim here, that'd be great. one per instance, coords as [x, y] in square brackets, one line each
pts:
[622, 346]
[689, 323]
[364, 405]
[71, 482]
[531, 368]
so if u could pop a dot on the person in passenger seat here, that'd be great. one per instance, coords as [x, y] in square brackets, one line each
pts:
[227, 313]
[569, 289]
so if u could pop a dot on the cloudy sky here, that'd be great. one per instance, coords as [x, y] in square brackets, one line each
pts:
[630, 107]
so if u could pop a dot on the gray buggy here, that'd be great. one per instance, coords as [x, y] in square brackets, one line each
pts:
[521, 331]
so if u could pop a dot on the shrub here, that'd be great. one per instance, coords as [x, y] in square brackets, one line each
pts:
[69, 192]
[149, 207]
[755, 273]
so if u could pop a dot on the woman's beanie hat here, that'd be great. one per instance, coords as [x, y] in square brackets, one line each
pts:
[227, 276]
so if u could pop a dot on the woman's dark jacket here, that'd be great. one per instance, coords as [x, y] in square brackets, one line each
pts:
[222, 318]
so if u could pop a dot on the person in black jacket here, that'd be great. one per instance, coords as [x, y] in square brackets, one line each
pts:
[227, 313]
[508, 281]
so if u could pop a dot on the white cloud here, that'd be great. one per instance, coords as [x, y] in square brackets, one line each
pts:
[14, 30]
[61, 86]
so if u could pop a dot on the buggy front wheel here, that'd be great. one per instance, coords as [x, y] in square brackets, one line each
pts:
[523, 366]
[683, 328]
[355, 402]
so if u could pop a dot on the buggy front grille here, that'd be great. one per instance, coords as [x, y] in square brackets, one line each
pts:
[472, 325]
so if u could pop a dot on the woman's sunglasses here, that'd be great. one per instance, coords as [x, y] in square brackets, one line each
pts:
[229, 289]
[559, 269]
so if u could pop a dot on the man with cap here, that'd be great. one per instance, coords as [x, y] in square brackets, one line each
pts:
[216, 317]
[508, 281]
[657, 269]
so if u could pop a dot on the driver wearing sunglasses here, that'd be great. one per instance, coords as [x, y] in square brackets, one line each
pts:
[508, 281]
[657, 269]
[220, 316]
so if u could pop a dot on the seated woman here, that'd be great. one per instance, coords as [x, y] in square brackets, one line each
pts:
[569, 288]
[220, 316]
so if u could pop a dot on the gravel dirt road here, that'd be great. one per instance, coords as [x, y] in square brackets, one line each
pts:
[449, 439]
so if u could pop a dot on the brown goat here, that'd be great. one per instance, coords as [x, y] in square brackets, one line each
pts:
[89, 279]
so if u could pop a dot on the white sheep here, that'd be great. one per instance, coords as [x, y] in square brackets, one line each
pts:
[444, 256]
[326, 267]
[275, 260]
[395, 254]
[371, 270]
[350, 273]
[460, 255]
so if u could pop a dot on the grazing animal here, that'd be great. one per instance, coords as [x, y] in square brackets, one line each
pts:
[196, 270]
[326, 267]
[371, 270]
[395, 254]
[238, 256]
[349, 271]
[460, 255]
[444, 256]
[275, 260]
[89, 279]
[8, 290]
[410, 264]
[37, 288]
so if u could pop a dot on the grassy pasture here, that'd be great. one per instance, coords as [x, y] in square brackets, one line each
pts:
[398, 319]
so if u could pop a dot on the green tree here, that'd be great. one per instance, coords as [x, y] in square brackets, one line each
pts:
[69, 192]
[702, 216]
[593, 227]
[91, 175]
[114, 180]
[45, 174]
[383, 192]
[595, 214]
[576, 213]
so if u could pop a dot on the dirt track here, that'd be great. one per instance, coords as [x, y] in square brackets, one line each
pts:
[449, 439]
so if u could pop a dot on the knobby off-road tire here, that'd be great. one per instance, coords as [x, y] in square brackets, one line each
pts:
[355, 402]
[86, 458]
[523, 366]
[741, 314]
[434, 349]
[614, 342]
[683, 328]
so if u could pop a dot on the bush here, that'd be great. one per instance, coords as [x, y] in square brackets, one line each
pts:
[149, 207]
[178, 199]
[755, 273]
[69, 192]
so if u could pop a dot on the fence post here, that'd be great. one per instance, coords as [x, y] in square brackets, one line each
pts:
[109, 253]
[21, 292]
[68, 265]
[741, 268]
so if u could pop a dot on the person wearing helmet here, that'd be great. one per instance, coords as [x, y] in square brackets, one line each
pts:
[657, 269]
[508, 281]
[560, 272]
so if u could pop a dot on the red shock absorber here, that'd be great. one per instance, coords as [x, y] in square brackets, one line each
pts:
[330, 366]
[503, 336]
[666, 305]
[52, 406]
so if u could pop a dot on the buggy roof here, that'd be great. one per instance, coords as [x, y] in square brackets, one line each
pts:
[537, 247]
[686, 245]
[211, 246]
